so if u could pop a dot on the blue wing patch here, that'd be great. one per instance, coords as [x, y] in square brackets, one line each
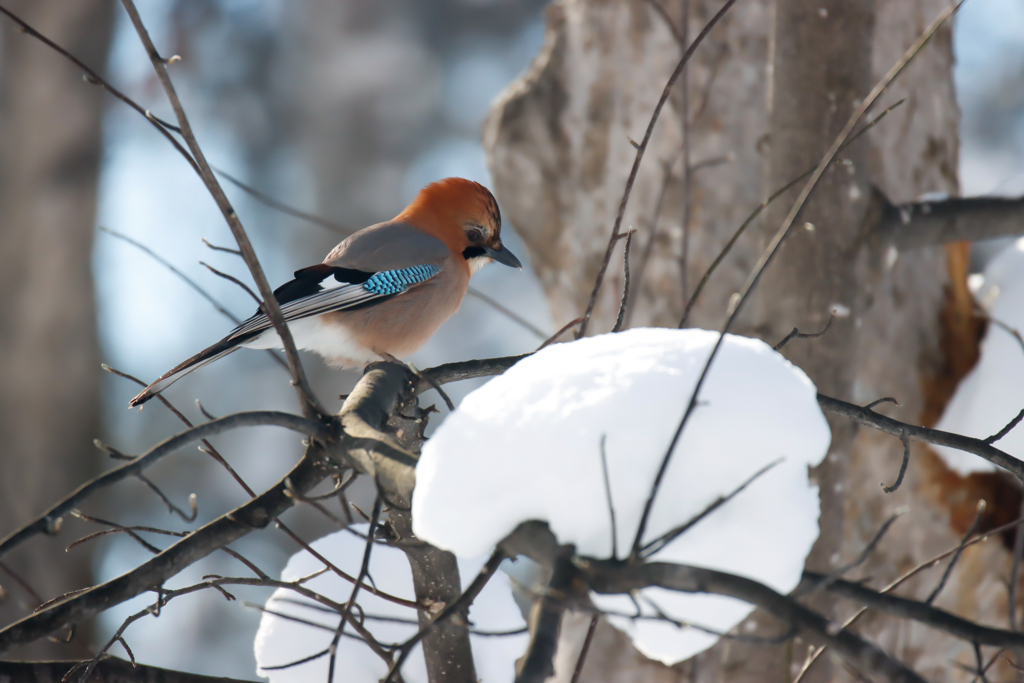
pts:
[388, 282]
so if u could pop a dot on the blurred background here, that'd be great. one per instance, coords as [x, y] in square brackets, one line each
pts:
[339, 108]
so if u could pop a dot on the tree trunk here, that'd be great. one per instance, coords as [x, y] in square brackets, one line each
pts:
[767, 92]
[50, 150]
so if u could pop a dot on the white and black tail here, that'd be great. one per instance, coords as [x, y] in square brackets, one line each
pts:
[315, 290]
[208, 355]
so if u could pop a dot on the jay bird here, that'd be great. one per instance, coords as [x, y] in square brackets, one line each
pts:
[383, 291]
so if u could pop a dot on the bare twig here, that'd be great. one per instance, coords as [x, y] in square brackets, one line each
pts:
[797, 334]
[553, 338]
[934, 436]
[738, 300]
[45, 522]
[310, 406]
[857, 561]
[606, 577]
[95, 79]
[364, 569]
[253, 515]
[1005, 430]
[903, 466]
[906, 576]
[228, 250]
[620, 318]
[171, 507]
[652, 237]
[923, 613]
[761, 207]
[464, 601]
[470, 369]
[657, 544]
[1018, 555]
[586, 644]
[232, 278]
[641, 148]
[278, 205]
[508, 313]
[167, 264]
[608, 497]
[879, 401]
[956, 555]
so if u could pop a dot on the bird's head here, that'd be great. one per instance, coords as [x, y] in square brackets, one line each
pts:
[465, 216]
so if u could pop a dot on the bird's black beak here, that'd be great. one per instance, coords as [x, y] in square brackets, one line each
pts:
[503, 256]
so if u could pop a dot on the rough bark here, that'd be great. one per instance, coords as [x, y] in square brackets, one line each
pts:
[436, 581]
[50, 149]
[768, 91]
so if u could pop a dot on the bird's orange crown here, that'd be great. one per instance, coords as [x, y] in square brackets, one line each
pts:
[459, 212]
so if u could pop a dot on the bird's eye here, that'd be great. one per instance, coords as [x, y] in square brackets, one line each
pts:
[474, 235]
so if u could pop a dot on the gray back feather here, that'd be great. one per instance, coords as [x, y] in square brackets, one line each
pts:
[387, 246]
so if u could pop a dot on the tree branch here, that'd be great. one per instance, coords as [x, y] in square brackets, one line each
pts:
[952, 220]
[310, 406]
[109, 670]
[256, 514]
[640, 149]
[363, 446]
[923, 613]
[934, 436]
[605, 577]
[48, 522]
[469, 369]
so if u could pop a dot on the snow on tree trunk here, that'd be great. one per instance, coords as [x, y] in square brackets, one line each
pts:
[765, 94]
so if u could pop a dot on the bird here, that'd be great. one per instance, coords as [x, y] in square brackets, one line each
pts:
[383, 291]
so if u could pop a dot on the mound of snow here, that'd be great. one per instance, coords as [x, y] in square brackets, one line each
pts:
[527, 446]
[992, 393]
[282, 641]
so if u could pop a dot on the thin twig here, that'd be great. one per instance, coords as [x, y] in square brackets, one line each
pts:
[904, 578]
[857, 561]
[507, 312]
[169, 266]
[641, 148]
[214, 247]
[95, 79]
[171, 507]
[657, 544]
[565, 328]
[189, 281]
[652, 237]
[278, 205]
[1018, 554]
[1005, 430]
[797, 334]
[761, 207]
[903, 465]
[620, 318]
[310, 406]
[364, 569]
[46, 521]
[933, 436]
[608, 497]
[586, 648]
[956, 555]
[879, 401]
[738, 300]
[463, 601]
[231, 278]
